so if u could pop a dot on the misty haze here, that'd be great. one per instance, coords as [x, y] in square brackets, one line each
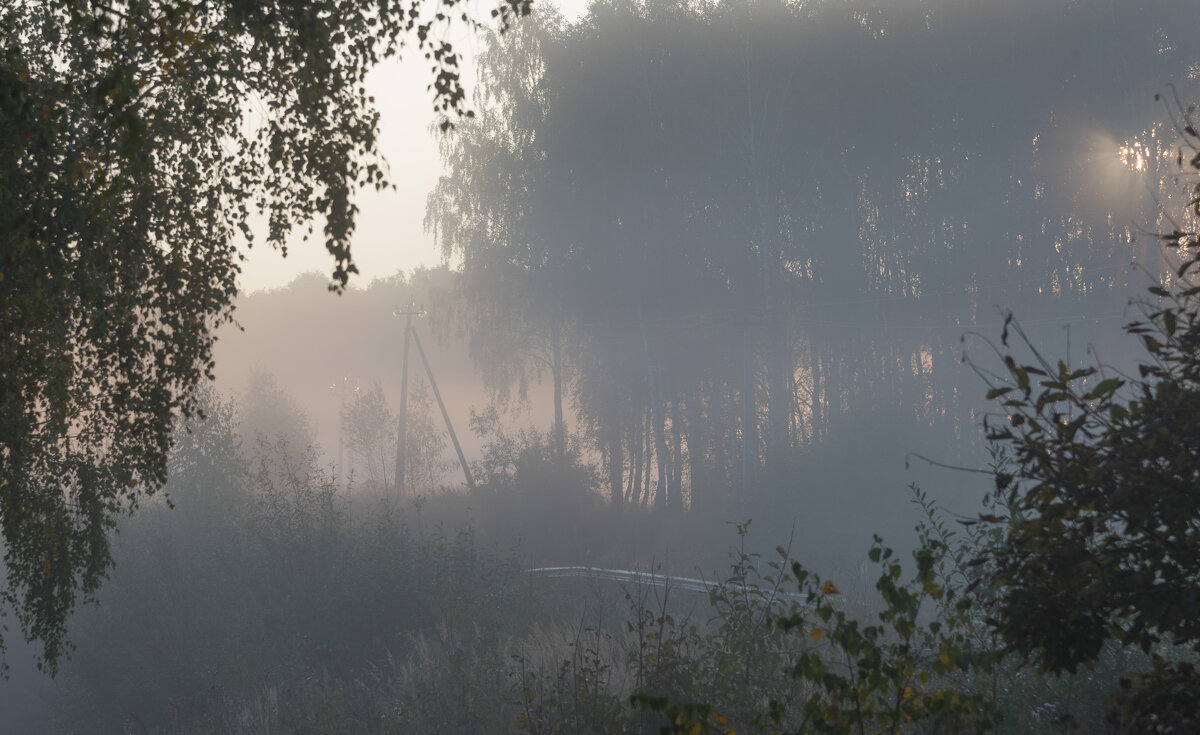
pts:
[766, 366]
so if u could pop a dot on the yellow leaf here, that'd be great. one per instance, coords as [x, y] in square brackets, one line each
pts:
[829, 588]
[816, 634]
[694, 729]
[720, 719]
[907, 693]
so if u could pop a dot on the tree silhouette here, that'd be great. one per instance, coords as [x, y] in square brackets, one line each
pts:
[137, 141]
[804, 207]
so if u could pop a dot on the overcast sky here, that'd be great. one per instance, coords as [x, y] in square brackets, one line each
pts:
[390, 235]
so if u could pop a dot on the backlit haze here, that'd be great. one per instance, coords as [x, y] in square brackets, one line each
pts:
[390, 235]
[711, 262]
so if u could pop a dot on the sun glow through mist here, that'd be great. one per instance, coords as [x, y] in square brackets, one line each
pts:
[1134, 154]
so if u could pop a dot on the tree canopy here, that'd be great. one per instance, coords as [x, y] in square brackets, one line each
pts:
[138, 141]
[794, 212]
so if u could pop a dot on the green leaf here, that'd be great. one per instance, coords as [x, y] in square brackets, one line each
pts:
[1104, 388]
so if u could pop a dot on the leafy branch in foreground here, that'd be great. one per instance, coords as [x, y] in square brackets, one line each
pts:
[1102, 540]
[138, 141]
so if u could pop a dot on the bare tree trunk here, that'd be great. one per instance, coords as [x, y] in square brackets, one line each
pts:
[700, 447]
[834, 373]
[918, 370]
[637, 450]
[616, 464]
[612, 438]
[658, 421]
[778, 405]
[800, 427]
[677, 438]
[818, 387]
[402, 428]
[630, 482]
[560, 431]
[647, 473]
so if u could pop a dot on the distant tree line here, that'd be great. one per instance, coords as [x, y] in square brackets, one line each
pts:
[727, 231]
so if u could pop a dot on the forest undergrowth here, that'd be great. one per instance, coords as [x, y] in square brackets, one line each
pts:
[268, 600]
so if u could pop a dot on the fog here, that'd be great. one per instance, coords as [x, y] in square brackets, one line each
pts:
[705, 264]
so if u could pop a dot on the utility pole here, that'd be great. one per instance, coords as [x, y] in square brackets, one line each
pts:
[402, 429]
[462, 460]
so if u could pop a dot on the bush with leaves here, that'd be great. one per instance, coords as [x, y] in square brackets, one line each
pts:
[746, 652]
[852, 676]
[1101, 543]
[1103, 539]
[530, 462]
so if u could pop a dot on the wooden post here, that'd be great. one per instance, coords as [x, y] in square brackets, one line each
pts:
[402, 429]
[462, 460]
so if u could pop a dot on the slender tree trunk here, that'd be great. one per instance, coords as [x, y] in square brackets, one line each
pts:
[677, 464]
[658, 423]
[818, 387]
[834, 374]
[638, 455]
[647, 473]
[402, 421]
[700, 449]
[761, 128]
[630, 482]
[749, 428]
[560, 431]
[660, 438]
[616, 465]
[918, 369]
[778, 403]
[383, 470]
[612, 433]
[800, 429]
